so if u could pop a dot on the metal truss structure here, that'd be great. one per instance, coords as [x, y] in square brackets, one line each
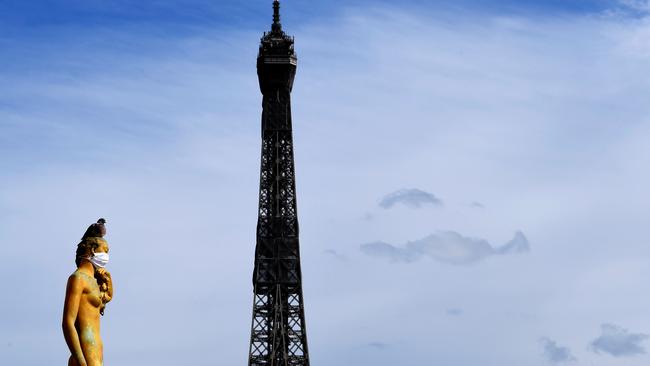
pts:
[278, 334]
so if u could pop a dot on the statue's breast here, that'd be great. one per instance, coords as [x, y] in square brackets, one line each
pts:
[93, 295]
[94, 299]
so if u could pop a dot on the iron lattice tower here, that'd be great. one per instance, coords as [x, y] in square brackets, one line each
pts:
[278, 333]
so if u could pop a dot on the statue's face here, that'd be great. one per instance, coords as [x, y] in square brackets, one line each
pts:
[103, 248]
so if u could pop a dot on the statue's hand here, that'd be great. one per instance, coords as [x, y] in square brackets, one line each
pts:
[106, 298]
[103, 276]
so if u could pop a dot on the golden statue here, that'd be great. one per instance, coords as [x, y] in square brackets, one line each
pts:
[89, 289]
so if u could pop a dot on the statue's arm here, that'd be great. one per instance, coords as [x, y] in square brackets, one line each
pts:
[73, 294]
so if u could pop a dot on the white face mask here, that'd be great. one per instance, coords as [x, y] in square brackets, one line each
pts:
[99, 260]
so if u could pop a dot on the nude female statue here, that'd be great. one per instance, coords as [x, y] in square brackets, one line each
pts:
[88, 291]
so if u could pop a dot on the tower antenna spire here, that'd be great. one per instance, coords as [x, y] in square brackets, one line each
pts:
[277, 26]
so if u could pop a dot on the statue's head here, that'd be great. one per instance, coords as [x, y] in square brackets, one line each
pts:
[92, 241]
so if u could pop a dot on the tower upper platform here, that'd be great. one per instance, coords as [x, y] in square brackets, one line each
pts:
[277, 60]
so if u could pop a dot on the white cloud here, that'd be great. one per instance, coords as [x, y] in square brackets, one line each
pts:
[556, 354]
[619, 342]
[413, 198]
[446, 247]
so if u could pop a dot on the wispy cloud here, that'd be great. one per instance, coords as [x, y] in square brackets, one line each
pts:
[638, 5]
[619, 342]
[334, 254]
[378, 345]
[413, 198]
[556, 354]
[447, 247]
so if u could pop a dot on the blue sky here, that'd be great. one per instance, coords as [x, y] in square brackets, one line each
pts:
[53, 12]
[485, 166]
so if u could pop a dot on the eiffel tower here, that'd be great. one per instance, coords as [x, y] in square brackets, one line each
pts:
[278, 334]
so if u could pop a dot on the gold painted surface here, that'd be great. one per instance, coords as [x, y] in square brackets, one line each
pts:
[88, 291]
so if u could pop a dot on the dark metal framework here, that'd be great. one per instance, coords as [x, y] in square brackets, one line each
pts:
[278, 333]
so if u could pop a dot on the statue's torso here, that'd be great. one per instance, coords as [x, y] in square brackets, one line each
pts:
[87, 323]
